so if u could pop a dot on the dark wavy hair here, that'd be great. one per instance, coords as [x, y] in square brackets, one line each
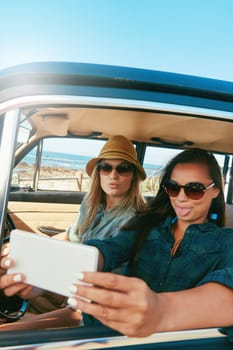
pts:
[159, 208]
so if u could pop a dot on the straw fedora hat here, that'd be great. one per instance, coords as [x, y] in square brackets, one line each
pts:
[117, 147]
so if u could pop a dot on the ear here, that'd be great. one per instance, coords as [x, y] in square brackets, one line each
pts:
[215, 192]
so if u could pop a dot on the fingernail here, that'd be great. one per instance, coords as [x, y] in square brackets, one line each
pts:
[80, 276]
[73, 288]
[7, 263]
[17, 278]
[72, 303]
[5, 251]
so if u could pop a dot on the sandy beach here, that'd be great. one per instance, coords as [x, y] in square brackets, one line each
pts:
[30, 216]
[63, 179]
[50, 178]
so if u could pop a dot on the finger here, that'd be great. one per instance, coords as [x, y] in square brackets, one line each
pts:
[118, 319]
[25, 293]
[2, 272]
[14, 289]
[10, 279]
[13, 284]
[7, 262]
[99, 295]
[5, 250]
[108, 280]
[97, 310]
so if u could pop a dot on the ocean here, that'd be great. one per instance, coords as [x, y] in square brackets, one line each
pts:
[73, 161]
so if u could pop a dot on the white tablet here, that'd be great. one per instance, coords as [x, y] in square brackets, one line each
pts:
[49, 263]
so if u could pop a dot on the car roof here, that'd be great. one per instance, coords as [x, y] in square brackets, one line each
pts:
[97, 101]
[40, 74]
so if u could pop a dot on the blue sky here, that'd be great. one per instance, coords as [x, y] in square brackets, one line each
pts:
[183, 36]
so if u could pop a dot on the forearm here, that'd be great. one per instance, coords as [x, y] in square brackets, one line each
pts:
[210, 305]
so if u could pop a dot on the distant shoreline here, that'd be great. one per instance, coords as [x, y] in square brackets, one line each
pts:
[65, 179]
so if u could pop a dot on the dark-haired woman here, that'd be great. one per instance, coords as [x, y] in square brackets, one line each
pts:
[180, 271]
[180, 258]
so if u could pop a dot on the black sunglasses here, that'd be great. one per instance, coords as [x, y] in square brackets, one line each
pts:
[123, 169]
[193, 190]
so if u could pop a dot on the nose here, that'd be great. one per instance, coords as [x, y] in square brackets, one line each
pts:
[113, 173]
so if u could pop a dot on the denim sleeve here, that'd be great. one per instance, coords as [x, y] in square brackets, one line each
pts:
[223, 276]
[223, 272]
[116, 250]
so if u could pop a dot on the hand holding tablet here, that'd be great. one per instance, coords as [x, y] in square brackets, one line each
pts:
[50, 264]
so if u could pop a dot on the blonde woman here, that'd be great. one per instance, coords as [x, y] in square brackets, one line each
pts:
[114, 197]
[114, 194]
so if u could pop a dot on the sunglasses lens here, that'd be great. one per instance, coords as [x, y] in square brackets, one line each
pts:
[122, 169]
[194, 190]
[104, 168]
[172, 189]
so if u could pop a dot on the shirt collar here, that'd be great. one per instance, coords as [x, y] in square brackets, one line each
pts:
[207, 226]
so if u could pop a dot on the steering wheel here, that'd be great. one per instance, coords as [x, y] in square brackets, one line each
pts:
[14, 307]
[9, 226]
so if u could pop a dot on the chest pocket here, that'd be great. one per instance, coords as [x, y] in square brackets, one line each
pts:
[207, 244]
[200, 257]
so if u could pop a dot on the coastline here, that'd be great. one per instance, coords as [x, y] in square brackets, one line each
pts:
[61, 178]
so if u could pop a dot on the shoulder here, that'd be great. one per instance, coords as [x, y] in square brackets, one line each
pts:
[124, 216]
[117, 213]
[226, 233]
[209, 227]
[226, 230]
[224, 237]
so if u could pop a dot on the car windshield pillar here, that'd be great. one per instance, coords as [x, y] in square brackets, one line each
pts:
[230, 187]
[7, 149]
[37, 165]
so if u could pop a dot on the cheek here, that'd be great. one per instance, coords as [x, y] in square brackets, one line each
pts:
[203, 205]
[126, 183]
[209, 197]
[103, 181]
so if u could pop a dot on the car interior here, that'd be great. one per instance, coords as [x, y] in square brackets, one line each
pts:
[160, 131]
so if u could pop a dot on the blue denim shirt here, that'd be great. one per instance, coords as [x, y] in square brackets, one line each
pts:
[205, 255]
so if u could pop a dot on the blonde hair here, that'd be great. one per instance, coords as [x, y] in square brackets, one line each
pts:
[95, 196]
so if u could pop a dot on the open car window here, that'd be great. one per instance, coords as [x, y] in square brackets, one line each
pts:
[56, 164]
